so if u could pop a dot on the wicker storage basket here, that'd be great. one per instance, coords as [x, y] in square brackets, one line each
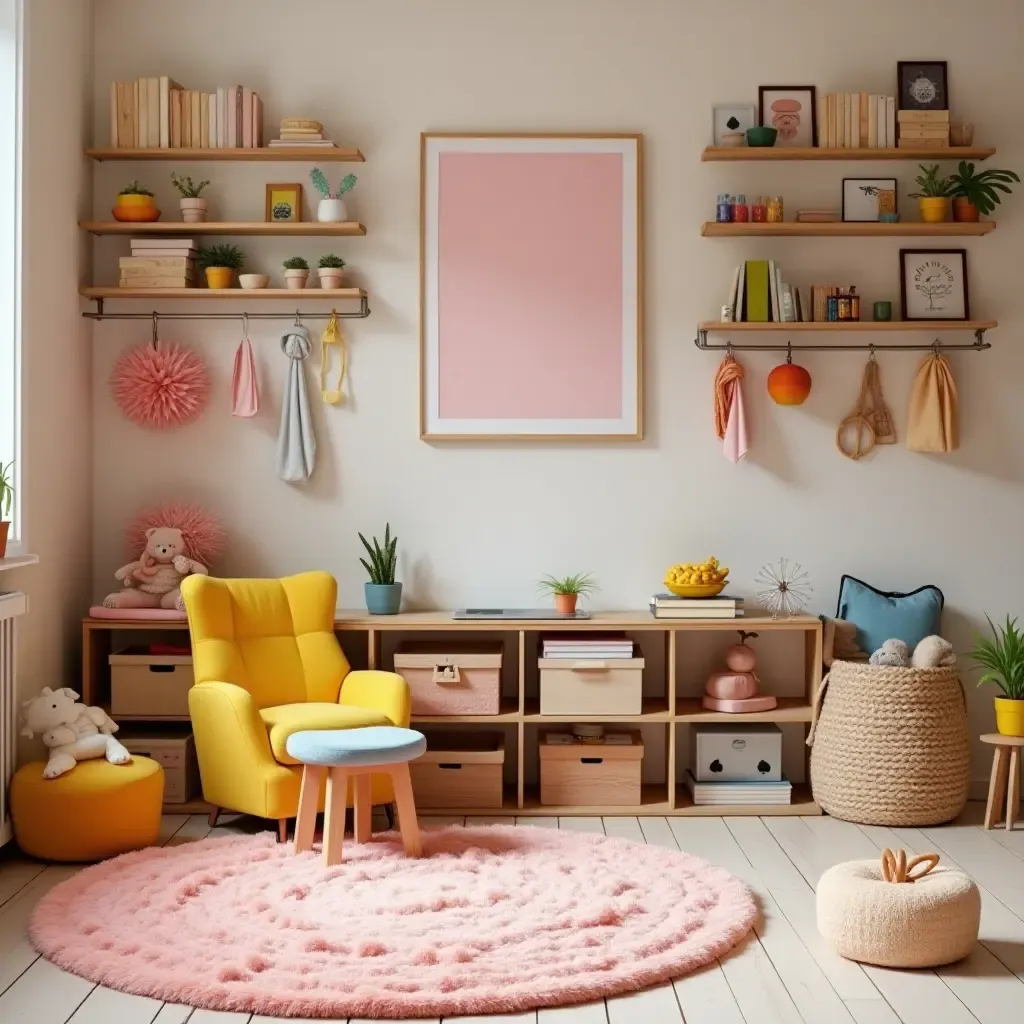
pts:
[889, 746]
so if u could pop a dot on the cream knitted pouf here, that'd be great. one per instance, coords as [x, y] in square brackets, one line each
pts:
[929, 918]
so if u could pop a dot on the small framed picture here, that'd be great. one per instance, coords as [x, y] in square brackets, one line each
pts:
[284, 202]
[730, 122]
[922, 85]
[933, 284]
[793, 110]
[861, 197]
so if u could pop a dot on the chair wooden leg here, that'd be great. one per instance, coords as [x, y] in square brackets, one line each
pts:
[282, 830]
[305, 822]
[334, 818]
[214, 815]
[407, 820]
[1013, 791]
[361, 807]
[997, 785]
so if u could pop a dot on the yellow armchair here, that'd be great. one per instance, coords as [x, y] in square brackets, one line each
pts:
[267, 664]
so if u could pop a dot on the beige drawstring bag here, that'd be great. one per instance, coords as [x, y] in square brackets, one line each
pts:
[932, 420]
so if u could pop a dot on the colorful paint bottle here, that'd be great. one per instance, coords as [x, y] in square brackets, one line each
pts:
[740, 210]
[759, 212]
[854, 303]
[724, 215]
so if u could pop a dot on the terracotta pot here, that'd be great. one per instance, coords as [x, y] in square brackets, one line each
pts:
[219, 277]
[934, 209]
[138, 209]
[4, 527]
[964, 210]
[565, 604]
[193, 211]
[1009, 716]
[331, 277]
[295, 279]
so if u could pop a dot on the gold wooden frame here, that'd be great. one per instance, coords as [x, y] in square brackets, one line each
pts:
[638, 435]
[280, 186]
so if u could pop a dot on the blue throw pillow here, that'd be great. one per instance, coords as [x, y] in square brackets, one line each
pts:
[880, 616]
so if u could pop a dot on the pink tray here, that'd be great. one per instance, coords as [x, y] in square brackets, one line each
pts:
[739, 707]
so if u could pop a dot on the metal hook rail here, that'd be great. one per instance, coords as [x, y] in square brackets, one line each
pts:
[99, 314]
[978, 345]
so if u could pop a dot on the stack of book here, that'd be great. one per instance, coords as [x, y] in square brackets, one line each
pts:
[758, 294]
[817, 216]
[668, 606]
[857, 120]
[581, 646]
[159, 263]
[753, 792]
[158, 113]
[923, 129]
[301, 132]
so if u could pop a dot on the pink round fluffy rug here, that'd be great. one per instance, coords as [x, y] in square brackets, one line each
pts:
[490, 920]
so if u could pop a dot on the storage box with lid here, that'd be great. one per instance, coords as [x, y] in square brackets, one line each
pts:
[452, 678]
[144, 685]
[174, 752]
[591, 774]
[461, 769]
[591, 686]
[734, 753]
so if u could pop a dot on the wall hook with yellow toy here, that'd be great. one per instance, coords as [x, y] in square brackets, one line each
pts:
[332, 336]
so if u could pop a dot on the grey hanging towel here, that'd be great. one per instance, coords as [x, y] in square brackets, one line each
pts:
[296, 445]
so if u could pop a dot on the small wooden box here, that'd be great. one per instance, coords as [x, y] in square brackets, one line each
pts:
[591, 774]
[452, 679]
[146, 685]
[582, 687]
[175, 753]
[460, 770]
[737, 753]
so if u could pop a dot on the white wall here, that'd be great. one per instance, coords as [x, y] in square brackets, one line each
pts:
[479, 524]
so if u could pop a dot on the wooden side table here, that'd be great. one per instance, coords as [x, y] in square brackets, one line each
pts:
[1005, 778]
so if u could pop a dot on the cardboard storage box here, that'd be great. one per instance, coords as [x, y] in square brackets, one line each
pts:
[175, 753]
[591, 687]
[146, 685]
[460, 770]
[591, 774]
[737, 753]
[452, 678]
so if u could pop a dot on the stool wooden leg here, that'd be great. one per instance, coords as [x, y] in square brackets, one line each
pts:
[407, 821]
[334, 819]
[997, 785]
[305, 821]
[361, 807]
[282, 830]
[1013, 791]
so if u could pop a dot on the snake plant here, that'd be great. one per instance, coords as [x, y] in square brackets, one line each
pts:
[383, 558]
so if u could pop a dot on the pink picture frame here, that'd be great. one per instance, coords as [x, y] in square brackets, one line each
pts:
[531, 287]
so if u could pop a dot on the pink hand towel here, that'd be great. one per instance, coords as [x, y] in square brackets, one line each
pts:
[245, 392]
[735, 444]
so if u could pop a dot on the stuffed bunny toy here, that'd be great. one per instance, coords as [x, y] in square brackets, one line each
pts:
[932, 652]
[893, 653]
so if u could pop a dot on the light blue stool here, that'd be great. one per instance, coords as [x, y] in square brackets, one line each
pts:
[355, 754]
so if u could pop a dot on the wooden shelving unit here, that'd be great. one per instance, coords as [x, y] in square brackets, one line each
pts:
[780, 153]
[669, 711]
[157, 229]
[846, 229]
[221, 294]
[847, 326]
[277, 154]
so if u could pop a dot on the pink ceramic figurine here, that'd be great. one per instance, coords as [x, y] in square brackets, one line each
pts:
[735, 691]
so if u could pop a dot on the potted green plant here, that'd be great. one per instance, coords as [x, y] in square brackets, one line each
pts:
[1002, 658]
[6, 498]
[978, 193]
[383, 594]
[567, 590]
[296, 271]
[220, 262]
[331, 271]
[135, 203]
[332, 207]
[193, 205]
[933, 198]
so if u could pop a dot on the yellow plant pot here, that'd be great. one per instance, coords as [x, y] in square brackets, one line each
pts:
[219, 277]
[934, 209]
[1009, 716]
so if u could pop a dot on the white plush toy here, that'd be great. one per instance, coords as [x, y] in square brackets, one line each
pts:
[932, 652]
[73, 732]
[153, 581]
[892, 653]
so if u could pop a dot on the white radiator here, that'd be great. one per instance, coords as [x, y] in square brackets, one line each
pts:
[12, 604]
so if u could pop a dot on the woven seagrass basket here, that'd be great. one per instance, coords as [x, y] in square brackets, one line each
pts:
[890, 746]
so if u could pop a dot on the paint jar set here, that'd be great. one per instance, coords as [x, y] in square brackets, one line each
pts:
[732, 209]
[843, 305]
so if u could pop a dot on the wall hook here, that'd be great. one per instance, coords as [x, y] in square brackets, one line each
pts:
[245, 326]
[789, 352]
[156, 328]
[871, 353]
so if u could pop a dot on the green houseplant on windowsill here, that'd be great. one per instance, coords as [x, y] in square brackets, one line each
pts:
[383, 594]
[1002, 658]
[6, 499]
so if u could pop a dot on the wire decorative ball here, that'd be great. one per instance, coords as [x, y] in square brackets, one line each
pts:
[160, 388]
[201, 529]
[785, 588]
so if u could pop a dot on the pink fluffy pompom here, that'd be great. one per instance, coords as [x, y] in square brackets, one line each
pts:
[160, 388]
[202, 531]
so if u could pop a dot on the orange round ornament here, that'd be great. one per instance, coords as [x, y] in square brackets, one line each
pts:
[789, 383]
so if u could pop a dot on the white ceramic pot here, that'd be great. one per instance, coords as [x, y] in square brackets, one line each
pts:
[295, 279]
[253, 281]
[331, 211]
[193, 211]
[331, 277]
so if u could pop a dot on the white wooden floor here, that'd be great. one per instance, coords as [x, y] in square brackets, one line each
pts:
[782, 973]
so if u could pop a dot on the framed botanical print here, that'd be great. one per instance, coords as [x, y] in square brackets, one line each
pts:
[933, 284]
[531, 287]
[922, 85]
[793, 110]
[861, 197]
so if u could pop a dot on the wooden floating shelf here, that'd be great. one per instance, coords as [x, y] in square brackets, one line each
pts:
[653, 710]
[276, 154]
[222, 294]
[829, 327]
[846, 229]
[211, 227]
[726, 153]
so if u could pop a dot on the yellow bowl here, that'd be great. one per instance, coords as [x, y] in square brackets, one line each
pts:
[695, 589]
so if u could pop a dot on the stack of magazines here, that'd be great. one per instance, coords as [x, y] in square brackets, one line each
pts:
[581, 646]
[668, 606]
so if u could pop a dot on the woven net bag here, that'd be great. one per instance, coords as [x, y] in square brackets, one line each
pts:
[889, 746]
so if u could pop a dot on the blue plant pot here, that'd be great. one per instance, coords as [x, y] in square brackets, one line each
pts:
[383, 598]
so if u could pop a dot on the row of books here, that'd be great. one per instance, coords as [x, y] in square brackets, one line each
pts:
[923, 129]
[857, 120]
[158, 113]
[739, 793]
[159, 263]
[758, 294]
[584, 646]
[668, 606]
